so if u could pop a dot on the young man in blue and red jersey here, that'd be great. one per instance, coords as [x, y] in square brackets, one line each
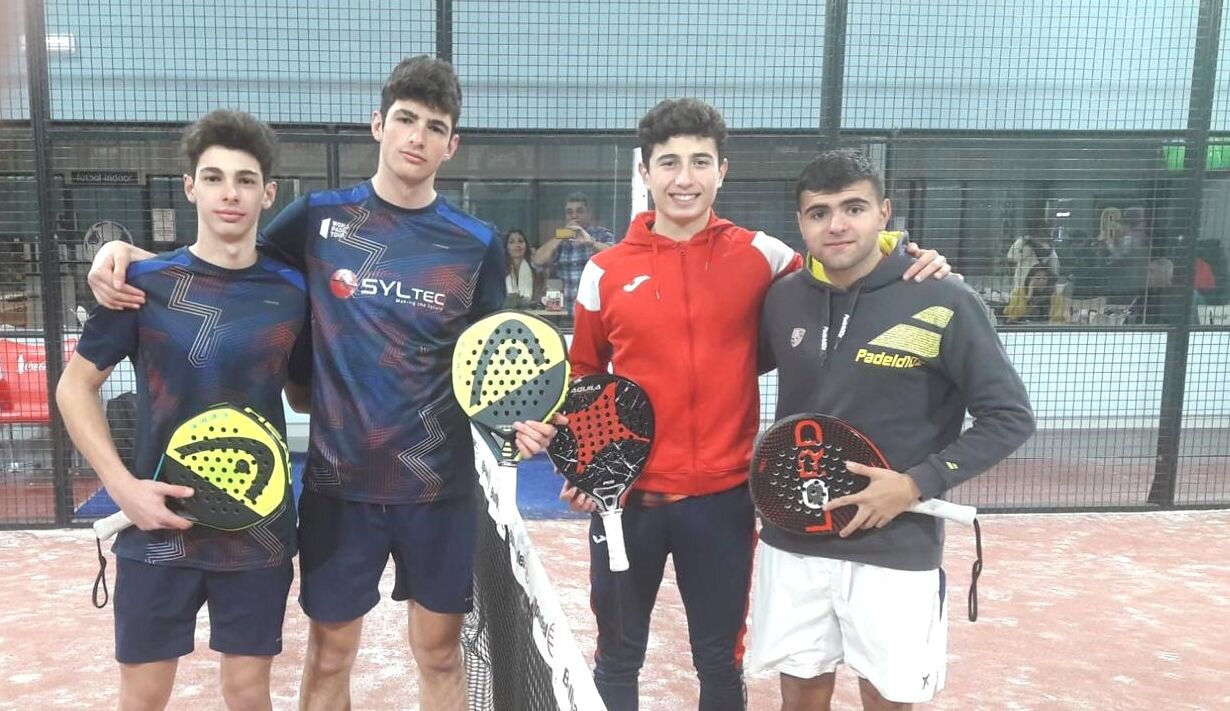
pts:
[222, 324]
[675, 307]
[395, 273]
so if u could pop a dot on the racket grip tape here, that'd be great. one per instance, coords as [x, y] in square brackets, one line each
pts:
[105, 528]
[957, 513]
[613, 527]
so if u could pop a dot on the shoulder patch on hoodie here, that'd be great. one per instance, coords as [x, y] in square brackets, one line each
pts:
[587, 289]
[935, 315]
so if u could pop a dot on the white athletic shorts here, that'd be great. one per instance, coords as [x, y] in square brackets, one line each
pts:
[811, 614]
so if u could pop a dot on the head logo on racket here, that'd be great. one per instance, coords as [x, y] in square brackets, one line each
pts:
[509, 367]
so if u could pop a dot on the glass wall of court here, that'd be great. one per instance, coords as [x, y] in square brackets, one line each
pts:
[1072, 162]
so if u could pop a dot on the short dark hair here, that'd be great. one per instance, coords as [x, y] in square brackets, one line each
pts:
[427, 80]
[681, 117]
[231, 129]
[577, 197]
[833, 171]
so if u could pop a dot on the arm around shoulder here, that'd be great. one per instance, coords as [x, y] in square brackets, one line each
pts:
[109, 272]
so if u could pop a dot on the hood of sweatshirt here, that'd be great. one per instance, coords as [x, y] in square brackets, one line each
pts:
[640, 234]
[890, 268]
[839, 304]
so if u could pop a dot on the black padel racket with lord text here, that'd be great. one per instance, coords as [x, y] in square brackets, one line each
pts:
[800, 465]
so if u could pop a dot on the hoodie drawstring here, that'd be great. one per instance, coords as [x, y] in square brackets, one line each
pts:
[653, 273]
[845, 321]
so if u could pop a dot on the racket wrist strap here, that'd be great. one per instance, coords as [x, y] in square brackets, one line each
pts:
[100, 582]
[975, 573]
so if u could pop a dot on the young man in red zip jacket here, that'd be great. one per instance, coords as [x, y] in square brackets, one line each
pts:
[675, 307]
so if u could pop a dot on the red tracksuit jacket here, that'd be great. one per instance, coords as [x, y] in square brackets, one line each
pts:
[681, 319]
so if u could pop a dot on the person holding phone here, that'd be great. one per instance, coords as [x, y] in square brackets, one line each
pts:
[572, 245]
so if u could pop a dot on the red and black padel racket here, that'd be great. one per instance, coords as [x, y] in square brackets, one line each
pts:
[604, 447]
[800, 465]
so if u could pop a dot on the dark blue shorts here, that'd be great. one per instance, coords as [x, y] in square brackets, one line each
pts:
[344, 547]
[156, 608]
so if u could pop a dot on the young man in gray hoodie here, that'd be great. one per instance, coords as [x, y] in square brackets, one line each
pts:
[902, 367]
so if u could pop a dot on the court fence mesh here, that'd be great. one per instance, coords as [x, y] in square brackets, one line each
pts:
[1071, 160]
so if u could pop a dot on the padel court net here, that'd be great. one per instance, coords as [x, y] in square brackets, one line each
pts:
[519, 651]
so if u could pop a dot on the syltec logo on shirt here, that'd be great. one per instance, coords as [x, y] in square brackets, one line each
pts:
[887, 360]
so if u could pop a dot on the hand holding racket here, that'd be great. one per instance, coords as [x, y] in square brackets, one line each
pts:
[603, 448]
[147, 504]
[800, 481]
[234, 462]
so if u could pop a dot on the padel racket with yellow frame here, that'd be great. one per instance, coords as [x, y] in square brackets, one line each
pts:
[234, 460]
[509, 367]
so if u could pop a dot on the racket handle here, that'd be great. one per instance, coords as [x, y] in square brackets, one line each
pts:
[107, 527]
[613, 527]
[958, 513]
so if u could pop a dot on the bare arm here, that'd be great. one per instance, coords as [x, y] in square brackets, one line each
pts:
[107, 274]
[545, 253]
[141, 500]
[927, 263]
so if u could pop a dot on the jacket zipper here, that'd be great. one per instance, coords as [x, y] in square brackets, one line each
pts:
[687, 319]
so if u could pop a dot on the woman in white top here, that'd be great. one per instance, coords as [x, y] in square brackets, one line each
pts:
[520, 279]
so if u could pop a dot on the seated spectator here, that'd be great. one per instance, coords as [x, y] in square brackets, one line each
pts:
[1156, 304]
[522, 283]
[1110, 227]
[1026, 253]
[573, 245]
[1125, 257]
[1037, 300]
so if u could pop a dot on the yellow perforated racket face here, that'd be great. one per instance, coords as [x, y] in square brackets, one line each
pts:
[236, 462]
[510, 366]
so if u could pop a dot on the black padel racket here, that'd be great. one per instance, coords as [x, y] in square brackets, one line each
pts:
[800, 465]
[604, 447]
[235, 461]
[509, 367]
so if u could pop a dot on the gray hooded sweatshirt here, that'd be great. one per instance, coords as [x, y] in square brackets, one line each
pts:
[902, 362]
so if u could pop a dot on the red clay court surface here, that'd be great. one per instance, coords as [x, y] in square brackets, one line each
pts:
[1079, 611]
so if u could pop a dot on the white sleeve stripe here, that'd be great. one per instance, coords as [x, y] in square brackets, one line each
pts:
[775, 252]
[587, 288]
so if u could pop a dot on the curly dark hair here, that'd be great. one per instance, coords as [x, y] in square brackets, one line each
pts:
[427, 80]
[231, 129]
[832, 171]
[681, 117]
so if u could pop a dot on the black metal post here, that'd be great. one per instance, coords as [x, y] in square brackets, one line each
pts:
[444, 29]
[333, 157]
[832, 78]
[1174, 380]
[48, 249]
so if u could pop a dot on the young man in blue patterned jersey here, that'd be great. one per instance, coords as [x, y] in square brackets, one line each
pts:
[395, 272]
[221, 324]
